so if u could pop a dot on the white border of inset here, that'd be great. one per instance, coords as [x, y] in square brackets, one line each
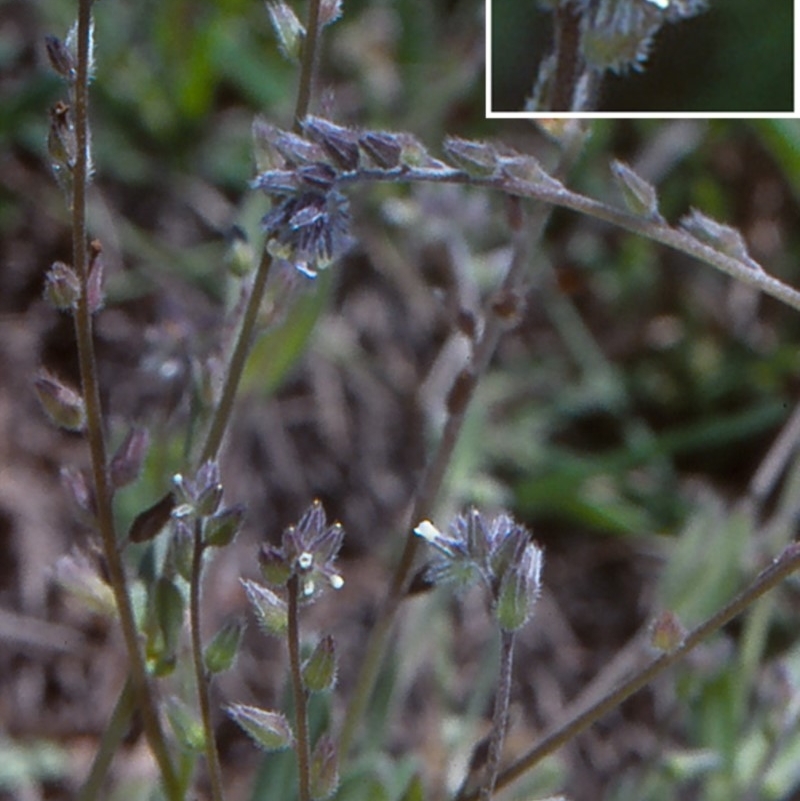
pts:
[649, 115]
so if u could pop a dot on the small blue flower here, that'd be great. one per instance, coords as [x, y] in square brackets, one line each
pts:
[497, 552]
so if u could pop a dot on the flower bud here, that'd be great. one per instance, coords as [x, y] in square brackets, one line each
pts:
[60, 57]
[186, 724]
[95, 290]
[221, 652]
[478, 159]
[382, 148]
[329, 12]
[64, 406]
[667, 632]
[324, 769]
[270, 730]
[270, 610]
[288, 29]
[275, 568]
[76, 574]
[719, 236]
[126, 464]
[338, 142]
[62, 287]
[519, 590]
[319, 670]
[220, 529]
[639, 195]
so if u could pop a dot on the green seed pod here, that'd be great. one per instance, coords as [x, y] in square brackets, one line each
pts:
[319, 670]
[270, 730]
[221, 652]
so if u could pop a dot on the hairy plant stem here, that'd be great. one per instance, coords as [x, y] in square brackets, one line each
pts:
[94, 418]
[568, 59]
[500, 714]
[308, 66]
[657, 231]
[782, 566]
[302, 745]
[201, 676]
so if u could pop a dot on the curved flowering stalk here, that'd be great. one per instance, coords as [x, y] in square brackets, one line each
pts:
[498, 553]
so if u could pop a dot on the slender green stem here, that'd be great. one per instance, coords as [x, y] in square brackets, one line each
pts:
[500, 715]
[94, 418]
[241, 350]
[112, 738]
[201, 676]
[298, 690]
[308, 65]
[782, 566]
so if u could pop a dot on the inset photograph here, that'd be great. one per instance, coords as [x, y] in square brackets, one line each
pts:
[640, 56]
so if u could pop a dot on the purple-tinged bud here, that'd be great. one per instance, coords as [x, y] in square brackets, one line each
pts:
[320, 177]
[76, 483]
[221, 652]
[340, 143]
[270, 730]
[324, 769]
[95, 290]
[275, 568]
[667, 632]
[270, 610]
[477, 159]
[288, 29]
[62, 287]
[64, 406]
[509, 543]
[639, 195]
[384, 149]
[221, 528]
[126, 464]
[519, 589]
[277, 182]
[319, 670]
[267, 156]
[329, 12]
[186, 724]
[61, 58]
[298, 150]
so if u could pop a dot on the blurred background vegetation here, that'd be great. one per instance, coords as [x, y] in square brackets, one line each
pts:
[622, 420]
[733, 58]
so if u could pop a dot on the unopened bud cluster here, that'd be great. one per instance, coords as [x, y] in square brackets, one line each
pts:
[494, 551]
[62, 144]
[309, 225]
[199, 502]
